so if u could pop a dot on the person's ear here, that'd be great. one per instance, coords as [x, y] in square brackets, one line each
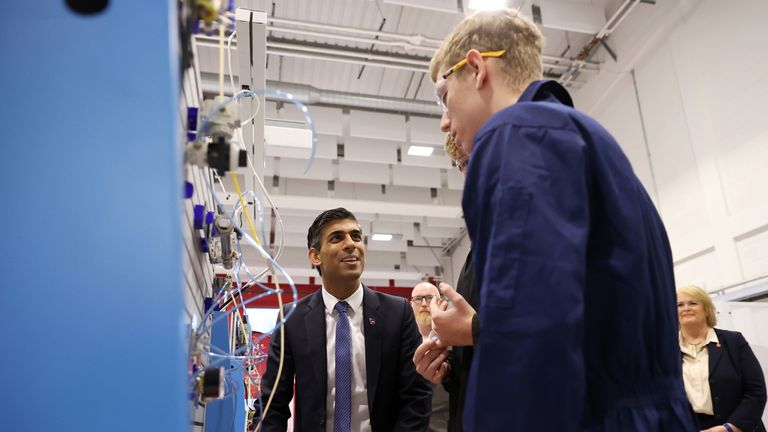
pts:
[314, 257]
[478, 67]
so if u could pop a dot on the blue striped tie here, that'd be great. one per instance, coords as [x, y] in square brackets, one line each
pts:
[342, 412]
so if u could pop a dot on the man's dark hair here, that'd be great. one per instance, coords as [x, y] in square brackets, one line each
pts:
[323, 219]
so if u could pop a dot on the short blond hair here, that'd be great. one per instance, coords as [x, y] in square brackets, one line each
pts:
[699, 294]
[505, 29]
[452, 149]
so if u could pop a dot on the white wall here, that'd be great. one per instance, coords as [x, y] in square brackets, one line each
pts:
[699, 79]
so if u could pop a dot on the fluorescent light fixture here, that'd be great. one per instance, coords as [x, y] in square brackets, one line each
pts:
[487, 4]
[416, 150]
[381, 237]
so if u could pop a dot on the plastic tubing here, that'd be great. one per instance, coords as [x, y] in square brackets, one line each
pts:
[279, 269]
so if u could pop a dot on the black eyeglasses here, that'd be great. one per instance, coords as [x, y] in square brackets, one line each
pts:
[419, 299]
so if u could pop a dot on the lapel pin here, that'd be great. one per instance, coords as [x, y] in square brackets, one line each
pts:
[371, 321]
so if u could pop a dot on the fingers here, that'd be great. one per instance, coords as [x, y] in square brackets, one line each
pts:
[458, 301]
[426, 365]
[428, 358]
[435, 307]
[439, 376]
[435, 364]
[425, 346]
[449, 292]
[442, 305]
[435, 371]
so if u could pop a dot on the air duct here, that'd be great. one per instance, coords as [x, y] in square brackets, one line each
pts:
[313, 96]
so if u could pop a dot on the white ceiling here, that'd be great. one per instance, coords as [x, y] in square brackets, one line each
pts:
[416, 199]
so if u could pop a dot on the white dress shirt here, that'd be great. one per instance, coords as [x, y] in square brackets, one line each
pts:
[361, 418]
[696, 373]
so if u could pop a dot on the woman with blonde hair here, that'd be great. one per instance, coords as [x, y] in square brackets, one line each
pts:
[722, 377]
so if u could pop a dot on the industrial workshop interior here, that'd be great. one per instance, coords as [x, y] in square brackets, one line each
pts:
[188, 183]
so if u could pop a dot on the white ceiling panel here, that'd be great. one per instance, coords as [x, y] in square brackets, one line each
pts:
[269, 169]
[321, 169]
[452, 197]
[381, 260]
[403, 175]
[326, 149]
[408, 194]
[365, 124]
[270, 110]
[426, 130]
[297, 224]
[363, 172]
[358, 191]
[302, 187]
[428, 231]
[327, 120]
[423, 256]
[436, 222]
[394, 82]
[295, 239]
[370, 150]
[455, 179]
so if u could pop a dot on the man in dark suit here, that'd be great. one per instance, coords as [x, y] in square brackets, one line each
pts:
[349, 348]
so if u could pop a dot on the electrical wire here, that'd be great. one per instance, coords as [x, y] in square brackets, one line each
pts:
[254, 241]
[259, 212]
[275, 266]
[221, 60]
[282, 357]
[242, 203]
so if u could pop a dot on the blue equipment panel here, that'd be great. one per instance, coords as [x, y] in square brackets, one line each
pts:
[227, 414]
[91, 203]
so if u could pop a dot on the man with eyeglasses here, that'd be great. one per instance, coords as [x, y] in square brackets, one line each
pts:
[572, 262]
[421, 298]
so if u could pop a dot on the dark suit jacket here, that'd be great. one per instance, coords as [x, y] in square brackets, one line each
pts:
[398, 397]
[736, 383]
[461, 357]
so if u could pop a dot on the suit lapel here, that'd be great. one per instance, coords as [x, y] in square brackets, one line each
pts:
[314, 322]
[715, 351]
[373, 324]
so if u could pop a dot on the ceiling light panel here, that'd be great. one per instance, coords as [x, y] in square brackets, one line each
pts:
[417, 150]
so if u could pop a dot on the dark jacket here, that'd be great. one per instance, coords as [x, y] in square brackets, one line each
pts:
[736, 383]
[461, 357]
[574, 277]
[398, 397]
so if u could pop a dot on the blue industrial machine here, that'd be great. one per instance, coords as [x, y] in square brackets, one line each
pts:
[91, 200]
[113, 234]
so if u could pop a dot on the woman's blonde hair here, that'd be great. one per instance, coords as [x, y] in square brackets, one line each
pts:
[699, 294]
[505, 29]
